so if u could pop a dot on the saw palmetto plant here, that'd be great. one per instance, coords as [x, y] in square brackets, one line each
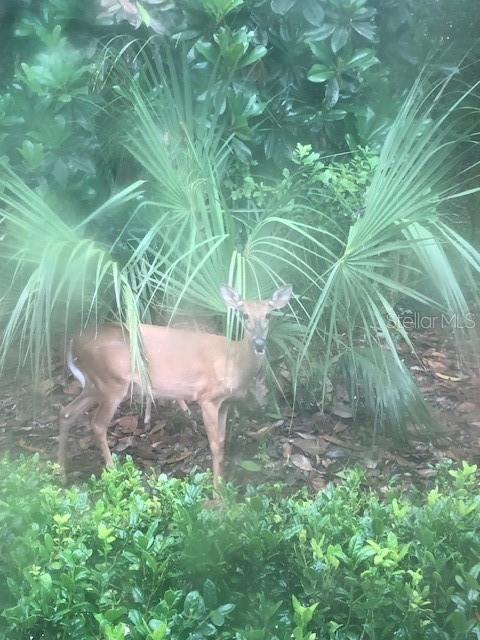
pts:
[177, 238]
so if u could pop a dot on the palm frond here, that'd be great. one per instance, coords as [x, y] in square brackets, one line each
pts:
[60, 277]
[401, 225]
[384, 386]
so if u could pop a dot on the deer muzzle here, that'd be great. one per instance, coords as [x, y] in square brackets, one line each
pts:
[259, 346]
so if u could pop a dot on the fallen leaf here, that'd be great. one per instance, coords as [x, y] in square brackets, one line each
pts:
[437, 354]
[285, 373]
[158, 425]
[301, 462]
[72, 388]
[85, 443]
[342, 411]
[337, 453]
[178, 458]
[260, 433]
[146, 450]
[125, 443]
[250, 465]
[319, 419]
[266, 428]
[287, 450]
[436, 365]
[318, 483]
[45, 387]
[427, 473]
[402, 461]
[442, 376]
[27, 447]
[335, 440]
[314, 446]
[468, 407]
[128, 422]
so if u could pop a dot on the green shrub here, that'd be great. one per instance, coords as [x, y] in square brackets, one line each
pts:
[126, 556]
[51, 86]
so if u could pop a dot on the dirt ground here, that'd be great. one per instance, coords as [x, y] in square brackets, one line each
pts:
[301, 448]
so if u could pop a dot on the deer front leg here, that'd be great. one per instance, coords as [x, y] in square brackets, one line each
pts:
[215, 418]
[101, 421]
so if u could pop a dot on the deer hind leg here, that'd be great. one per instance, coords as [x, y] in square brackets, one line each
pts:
[101, 420]
[85, 401]
[147, 416]
[184, 407]
[215, 418]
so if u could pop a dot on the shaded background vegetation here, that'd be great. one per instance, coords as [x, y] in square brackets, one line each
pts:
[153, 149]
[331, 73]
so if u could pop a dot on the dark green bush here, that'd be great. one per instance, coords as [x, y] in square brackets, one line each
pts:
[129, 557]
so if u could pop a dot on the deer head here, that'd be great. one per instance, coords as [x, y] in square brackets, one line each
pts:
[256, 313]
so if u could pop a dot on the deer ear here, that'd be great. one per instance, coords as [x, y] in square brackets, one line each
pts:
[280, 297]
[231, 297]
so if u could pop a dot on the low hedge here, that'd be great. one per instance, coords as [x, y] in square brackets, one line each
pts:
[126, 556]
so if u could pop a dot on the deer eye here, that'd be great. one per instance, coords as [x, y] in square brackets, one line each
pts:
[245, 316]
[268, 316]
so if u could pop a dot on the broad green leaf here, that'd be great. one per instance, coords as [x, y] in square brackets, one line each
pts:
[320, 73]
[340, 38]
[225, 609]
[363, 59]
[46, 581]
[334, 115]
[323, 32]
[207, 50]
[210, 594]
[313, 12]
[322, 52]
[217, 618]
[252, 56]
[365, 29]
[332, 93]
[282, 6]
[194, 605]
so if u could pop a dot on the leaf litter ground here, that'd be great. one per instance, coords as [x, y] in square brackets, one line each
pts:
[301, 448]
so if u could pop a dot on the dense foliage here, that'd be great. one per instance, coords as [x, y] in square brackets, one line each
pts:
[326, 72]
[152, 150]
[125, 558]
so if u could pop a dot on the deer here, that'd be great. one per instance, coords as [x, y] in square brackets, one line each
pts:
[183, 365]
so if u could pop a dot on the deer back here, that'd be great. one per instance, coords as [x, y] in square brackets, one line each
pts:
[183, 365]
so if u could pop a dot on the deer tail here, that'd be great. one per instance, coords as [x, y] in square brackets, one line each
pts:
[74, 370]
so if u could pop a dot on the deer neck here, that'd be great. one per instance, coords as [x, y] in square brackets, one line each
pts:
[250, 361]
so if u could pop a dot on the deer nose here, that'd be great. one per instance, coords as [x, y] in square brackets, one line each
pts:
[259, 345]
